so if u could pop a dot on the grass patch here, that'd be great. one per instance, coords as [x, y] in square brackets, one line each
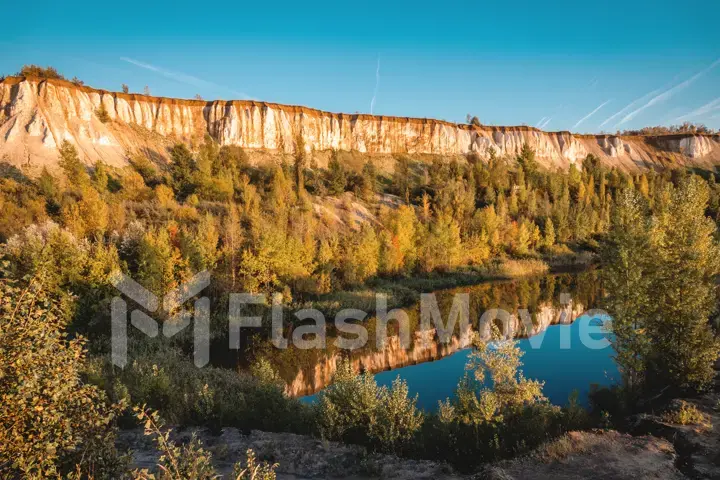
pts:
[515, 268]
[560, 449]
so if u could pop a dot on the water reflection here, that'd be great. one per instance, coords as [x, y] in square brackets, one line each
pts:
[551, 300]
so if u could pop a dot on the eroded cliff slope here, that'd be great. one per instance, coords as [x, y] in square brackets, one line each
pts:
[36, 115]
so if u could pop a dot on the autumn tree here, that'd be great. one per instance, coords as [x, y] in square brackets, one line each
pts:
[399, 251]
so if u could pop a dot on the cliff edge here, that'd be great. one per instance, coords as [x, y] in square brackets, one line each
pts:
[37, 115]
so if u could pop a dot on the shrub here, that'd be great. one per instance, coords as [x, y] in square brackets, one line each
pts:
[398, 418]
[191, 460]
[486, 423]
[354, 409]
[167, 381]
[38, 71]
[102, 113]
[684, 413]
[253, 470]
[49, 419]
[176, 462]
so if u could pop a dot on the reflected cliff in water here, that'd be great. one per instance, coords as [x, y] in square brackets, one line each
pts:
[556, 299]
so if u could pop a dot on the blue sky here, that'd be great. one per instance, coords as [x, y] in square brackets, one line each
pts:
[565, 65]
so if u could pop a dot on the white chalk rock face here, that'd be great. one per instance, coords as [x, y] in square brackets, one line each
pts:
[37, 115]
[696, 146]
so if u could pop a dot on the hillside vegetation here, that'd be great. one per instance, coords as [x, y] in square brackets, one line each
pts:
[310, 233]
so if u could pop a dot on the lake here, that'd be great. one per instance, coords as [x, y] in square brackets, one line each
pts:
[553, 353]
[562, 370]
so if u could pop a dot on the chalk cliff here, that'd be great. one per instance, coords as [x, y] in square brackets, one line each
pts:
[36, 115]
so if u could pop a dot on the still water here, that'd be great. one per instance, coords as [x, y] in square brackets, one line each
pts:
[562, 369]
[557, 355]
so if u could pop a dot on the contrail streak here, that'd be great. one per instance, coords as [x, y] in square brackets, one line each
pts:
[182, 77]
[630, 105]
[669, 93]
[377, 85]
[537, 125]
[590, 114]
[708, 107]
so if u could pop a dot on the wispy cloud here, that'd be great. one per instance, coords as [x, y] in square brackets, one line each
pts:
[183, 77]
[707, 108]
[544, 122]
[629, 106]
[659, 98]
[377, 85]
[540, 122]
[590, 114]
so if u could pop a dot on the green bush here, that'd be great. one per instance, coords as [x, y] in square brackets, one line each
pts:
[167, 381]
[355, 410]
[51, 422]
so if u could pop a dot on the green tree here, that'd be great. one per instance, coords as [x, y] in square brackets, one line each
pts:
[100, 177]
[659, 273]
[74, 169]
[182, 171]
[300, 165]
[527, 162]
[687, 255]
[336, 176]
[627, 276]
[159, 264]
[369, 181]
[38, 71]
[440, 244]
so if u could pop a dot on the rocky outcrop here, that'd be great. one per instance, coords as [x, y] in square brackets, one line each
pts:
[586, 455]
[577, 455]
[38, 115]
[425, 348]
[298, 456]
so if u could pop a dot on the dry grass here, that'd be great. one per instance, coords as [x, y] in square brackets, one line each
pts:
[562, 448]
[513, 268]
